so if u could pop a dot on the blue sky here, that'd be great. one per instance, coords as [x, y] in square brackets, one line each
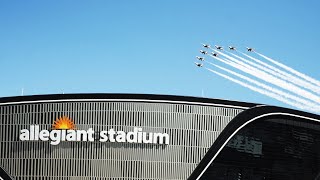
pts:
[47, 47]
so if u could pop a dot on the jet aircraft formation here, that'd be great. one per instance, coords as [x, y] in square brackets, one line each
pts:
[207, 46]
[262, 74]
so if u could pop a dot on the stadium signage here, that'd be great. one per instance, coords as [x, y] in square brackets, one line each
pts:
[67, 132]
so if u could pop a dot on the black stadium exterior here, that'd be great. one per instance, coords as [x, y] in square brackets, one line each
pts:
[149, 137]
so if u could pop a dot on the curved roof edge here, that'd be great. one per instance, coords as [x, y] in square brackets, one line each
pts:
[242, 119]
[110, 96]
[4, 175]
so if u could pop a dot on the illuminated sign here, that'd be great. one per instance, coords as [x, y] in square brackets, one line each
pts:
[64, 130]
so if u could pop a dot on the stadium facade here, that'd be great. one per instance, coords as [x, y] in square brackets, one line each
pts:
[132, 136]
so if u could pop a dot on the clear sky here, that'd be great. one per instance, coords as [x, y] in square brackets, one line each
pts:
[50, 47]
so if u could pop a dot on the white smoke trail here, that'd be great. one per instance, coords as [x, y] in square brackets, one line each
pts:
[267, 93]
[301, 75]
[285, 76]
[263, 63]
[269, 78]
[247, 61]
[309, 105]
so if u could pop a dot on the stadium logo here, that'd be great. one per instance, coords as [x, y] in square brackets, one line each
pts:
[63, 122]
[64, 129]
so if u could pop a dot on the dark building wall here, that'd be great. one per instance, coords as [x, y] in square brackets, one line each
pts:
[265, 143]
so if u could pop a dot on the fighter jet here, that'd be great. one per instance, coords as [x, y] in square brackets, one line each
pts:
[203, 52]
[219, 47]
[200, 58]
[206, 45]
[214, 54]
[249, 49]
[198, 64]
[232, 48]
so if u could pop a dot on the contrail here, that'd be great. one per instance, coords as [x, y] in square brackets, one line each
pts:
[282, 74]
[267, 93]
[263, 63]
[224, 61]
[269, 78]
[311, 106]
[308, 78]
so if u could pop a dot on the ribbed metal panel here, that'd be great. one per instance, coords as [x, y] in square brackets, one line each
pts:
[192, 130]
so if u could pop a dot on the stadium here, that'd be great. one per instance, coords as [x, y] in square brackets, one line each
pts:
[137, 136]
